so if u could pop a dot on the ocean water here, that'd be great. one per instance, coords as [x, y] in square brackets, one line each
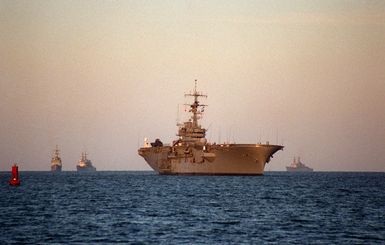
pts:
[145, 208]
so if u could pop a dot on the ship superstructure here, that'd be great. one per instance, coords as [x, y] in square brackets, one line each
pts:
[56, 163]
[192, 154]
[298, 166]
[85, 165]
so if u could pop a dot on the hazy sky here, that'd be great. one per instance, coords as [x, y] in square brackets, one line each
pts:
[102, 75]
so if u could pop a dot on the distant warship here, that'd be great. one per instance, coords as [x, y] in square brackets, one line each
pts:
[56, 164]
[192, 154]
[85, 165]
[298, 166]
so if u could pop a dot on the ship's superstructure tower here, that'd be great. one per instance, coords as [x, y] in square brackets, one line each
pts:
[56, 158]
[191, 132]
[83, 160]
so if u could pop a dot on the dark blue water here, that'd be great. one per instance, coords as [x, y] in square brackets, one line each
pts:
[144, 208]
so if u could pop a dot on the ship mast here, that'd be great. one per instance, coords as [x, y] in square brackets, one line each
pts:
[196, 114]
[56, 152]
[84, 156]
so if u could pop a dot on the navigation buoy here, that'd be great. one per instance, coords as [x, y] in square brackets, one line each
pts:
[15, 175]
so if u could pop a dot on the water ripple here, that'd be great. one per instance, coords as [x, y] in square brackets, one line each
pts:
[144, 208]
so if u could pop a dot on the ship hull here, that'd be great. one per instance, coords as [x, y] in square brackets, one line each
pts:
[56, 168]
[303, 169]
[85, 169]
[232, 159]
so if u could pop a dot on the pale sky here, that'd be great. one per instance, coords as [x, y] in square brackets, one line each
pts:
[102, 75]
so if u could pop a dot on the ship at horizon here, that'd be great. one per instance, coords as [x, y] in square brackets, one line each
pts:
[56, 163]
[298, 166]
[85, 165]
[192, 154]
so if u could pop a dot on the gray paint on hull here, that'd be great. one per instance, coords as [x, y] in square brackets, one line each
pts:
[234, 159]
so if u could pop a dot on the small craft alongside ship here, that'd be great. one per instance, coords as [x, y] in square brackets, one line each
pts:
[56, 164]
[298, 166]
[192, 154]
[85, 165]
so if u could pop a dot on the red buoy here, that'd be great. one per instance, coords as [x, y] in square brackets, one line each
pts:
[15, 175]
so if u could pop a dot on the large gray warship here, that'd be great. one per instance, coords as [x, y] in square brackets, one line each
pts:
[56, 164]
[85, 165]
[192, 154]
[298, 166]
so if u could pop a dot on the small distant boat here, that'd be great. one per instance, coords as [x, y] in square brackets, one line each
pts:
[85, 165]
[56, 164]
[298, 166]
[15, 181]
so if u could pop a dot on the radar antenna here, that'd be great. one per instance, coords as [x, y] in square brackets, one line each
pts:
[196, 113]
